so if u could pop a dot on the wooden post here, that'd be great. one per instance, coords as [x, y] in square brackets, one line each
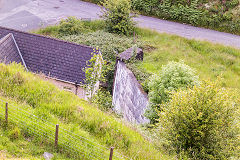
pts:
[134, 40]
[56, 135]
[111, 153]
[6, 113]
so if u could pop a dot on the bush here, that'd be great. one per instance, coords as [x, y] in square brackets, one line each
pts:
[201, 122]
[109, 44]
[71, 26]
[173, 76]
[116, 14]
[103, 99]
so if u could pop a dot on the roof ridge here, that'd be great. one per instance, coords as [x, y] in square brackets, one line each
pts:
[19, 52]
[5, 37]
[48, 37]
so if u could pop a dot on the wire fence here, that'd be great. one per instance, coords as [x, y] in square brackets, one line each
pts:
[54, 135]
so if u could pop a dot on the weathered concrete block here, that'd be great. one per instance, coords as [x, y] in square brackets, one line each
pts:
[129, 99]
[126, 55]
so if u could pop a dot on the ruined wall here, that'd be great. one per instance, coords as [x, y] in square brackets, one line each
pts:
[129, 99]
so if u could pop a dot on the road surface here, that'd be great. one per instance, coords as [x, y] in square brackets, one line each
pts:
[32, 14]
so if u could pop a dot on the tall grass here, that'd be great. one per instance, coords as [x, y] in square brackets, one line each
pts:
[52, 104]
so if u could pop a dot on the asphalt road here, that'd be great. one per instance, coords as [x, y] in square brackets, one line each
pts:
[32, 14]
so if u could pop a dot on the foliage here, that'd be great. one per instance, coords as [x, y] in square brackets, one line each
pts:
[214, 15]
[103, 40]
[202, 122]
[43, 99]
[116, 14]
[173, 76]
[94, 73]
[103, 99]
[71, 26]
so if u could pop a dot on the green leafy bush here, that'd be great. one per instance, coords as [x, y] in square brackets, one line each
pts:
[202, 122]
[71, 26]
[116, 14]
[173, 76]
[109, 44]
[103, 99]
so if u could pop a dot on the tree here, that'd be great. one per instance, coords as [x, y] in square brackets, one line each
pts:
[173, 76]
[202, 122]
[116, 14]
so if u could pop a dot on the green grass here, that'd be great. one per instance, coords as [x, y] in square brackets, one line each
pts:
[208, 59]
[43, 99]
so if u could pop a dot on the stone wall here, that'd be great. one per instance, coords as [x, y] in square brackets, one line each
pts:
[129, 99]
[80, 92]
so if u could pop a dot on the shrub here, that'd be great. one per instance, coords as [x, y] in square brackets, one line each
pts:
[201, 122]
[103, 99]
[173, 76]
[108, 43]
[71, 26]
[116, 14]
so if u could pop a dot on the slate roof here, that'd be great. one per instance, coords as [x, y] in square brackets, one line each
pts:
[8, 50]
[55, 58]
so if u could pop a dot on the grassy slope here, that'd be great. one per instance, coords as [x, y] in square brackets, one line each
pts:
[209, 60]
[46, 101]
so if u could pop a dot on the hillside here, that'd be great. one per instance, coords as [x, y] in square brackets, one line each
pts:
[87, 131]
[35, 106]
[209, 60]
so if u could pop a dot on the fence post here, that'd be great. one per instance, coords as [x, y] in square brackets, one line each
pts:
[56, 135]
[111, 153]
[6, 113]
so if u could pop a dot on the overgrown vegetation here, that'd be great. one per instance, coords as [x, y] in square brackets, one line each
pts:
[116, 14]
[172, 77]
[209, 60]
[109, 44]
[202, 122]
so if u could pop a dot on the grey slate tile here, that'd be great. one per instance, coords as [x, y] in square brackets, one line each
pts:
[8, 50]
[62, 60]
